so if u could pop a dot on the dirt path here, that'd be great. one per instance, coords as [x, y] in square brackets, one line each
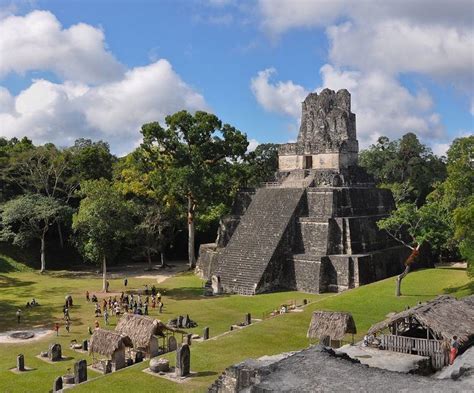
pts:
[40, 333]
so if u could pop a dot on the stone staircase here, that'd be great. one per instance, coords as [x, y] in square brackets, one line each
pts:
[255, 241]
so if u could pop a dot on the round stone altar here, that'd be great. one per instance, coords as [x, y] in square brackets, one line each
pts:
[25, 335]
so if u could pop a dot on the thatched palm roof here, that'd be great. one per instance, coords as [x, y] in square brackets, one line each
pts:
[106, 342]
[141, 329]
[445, 316]
[332, 324]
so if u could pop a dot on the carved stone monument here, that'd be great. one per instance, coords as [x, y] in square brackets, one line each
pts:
[55, 353]
[172, 344]
[216, 285]
[205, 334]
[248, 319]
[80, 371]
[183, 361]
[188, 338]
[58, 384]
[20, 362]
[314, 228]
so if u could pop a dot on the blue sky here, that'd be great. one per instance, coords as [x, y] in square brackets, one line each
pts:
[100, 69]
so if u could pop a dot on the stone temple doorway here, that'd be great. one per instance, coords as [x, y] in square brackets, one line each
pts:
[308, 162]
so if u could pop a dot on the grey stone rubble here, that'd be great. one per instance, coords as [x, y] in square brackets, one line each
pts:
[319, 369]
[159, 365]
[183, 361]
[315, 229]
[462, 367]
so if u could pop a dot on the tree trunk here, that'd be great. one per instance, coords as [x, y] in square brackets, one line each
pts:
[399, 280]
[191, 253]
[148, 255]
[43, 250]
[104, 274]
[162, 256]
[410, 260]
[60, 232]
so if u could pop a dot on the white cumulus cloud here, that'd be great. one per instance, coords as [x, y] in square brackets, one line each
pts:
[382, 105]
[115, 111]
[97, 98]
[371, 44]
[37, 41]
[280, 97]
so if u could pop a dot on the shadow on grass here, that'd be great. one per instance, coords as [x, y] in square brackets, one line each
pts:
[205, 374]
[73, 274]
[6, 281]
[5, 266]
[469, 287]
[29, 318]
[189, 293]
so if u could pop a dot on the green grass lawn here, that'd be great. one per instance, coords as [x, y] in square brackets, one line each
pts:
[182, 294]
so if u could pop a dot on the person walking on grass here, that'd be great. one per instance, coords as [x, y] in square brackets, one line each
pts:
[68, 325]
[125, 282]
[18, 315]
[87, 296]
[106, 317]
[56, 328]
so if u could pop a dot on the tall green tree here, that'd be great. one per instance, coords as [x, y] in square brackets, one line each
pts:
[406, 166]
[29, 217]
[412, 226]
[194, 152]
[103, 223]
[464, 224]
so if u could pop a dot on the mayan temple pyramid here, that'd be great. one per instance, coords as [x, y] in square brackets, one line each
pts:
[314, 229]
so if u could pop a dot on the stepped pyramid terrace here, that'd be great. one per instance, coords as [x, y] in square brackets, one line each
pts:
[314, 228]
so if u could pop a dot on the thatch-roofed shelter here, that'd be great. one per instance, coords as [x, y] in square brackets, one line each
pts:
[111, 345]
[334, 325]
[427, 328]
[144, 332]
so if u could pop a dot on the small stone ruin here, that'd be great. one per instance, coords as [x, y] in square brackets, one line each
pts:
[182, 322]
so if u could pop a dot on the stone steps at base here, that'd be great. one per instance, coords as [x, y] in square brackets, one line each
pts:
[257, 237]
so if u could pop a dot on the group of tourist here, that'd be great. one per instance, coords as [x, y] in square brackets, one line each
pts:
[126, 303]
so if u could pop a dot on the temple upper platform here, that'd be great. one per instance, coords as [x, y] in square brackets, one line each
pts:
[327, 137]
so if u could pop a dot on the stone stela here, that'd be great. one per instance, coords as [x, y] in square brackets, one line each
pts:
[314, 228]
[183, 361]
